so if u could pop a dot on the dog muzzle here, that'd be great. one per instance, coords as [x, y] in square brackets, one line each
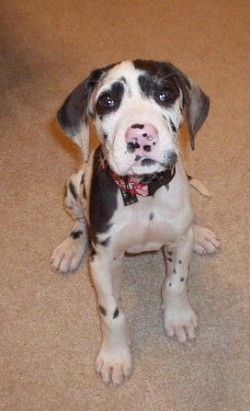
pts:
[130, 186]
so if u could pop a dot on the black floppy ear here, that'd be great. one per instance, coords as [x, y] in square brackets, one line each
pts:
[197, 108]
[74, 114]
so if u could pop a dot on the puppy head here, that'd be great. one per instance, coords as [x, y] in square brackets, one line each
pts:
[138, 108]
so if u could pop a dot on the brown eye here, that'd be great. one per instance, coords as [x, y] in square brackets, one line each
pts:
[106, 101]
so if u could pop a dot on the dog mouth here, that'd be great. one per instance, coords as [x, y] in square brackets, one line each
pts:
[147, 165]
[141, 166]
[147, 162]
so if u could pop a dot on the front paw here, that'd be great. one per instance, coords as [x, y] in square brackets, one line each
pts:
[114, 365]
[180, 321]
[67, 256]
[205, 241]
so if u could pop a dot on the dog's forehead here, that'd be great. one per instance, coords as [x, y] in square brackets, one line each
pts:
[129, 71]
[124, 71]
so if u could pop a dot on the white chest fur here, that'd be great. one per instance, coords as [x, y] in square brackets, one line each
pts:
[153, 221]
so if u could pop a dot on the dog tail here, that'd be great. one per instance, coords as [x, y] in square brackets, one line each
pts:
[199, 186]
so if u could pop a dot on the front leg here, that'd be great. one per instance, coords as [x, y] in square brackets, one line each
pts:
[179, 318]
[114, 358]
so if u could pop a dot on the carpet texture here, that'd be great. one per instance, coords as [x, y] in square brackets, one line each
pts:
[49, 323]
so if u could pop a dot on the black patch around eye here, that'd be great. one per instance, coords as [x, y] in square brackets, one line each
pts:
[159, 80]
[110, 100]
[164, 92]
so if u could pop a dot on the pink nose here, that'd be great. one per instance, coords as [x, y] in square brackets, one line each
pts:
[141, 138]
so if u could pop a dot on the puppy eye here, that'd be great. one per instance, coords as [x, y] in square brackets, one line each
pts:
[106, 101]
[165, 95]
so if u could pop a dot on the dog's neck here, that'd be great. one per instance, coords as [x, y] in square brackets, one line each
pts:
[131, 185]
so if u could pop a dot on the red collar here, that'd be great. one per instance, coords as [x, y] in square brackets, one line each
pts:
[147, 186]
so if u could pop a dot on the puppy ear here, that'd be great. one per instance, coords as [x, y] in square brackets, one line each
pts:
[197, 108]
[74, 114]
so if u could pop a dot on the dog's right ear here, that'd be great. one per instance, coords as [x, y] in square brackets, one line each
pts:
[73, 116]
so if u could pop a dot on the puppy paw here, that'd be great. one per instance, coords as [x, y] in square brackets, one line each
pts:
[67, 256]
[114, 365]
[205, 241]
[180, 321]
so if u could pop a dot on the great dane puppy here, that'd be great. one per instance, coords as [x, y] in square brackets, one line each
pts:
[132, 194]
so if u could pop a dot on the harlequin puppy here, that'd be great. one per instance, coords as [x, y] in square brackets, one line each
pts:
[132, 194]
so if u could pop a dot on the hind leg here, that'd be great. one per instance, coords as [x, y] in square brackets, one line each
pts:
[205, 241]
[68, 255]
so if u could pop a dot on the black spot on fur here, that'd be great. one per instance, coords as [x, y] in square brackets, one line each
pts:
[170, 284]
[170, 252]
[116, 313]
[103, 310]
[172, 126]
[140, 126]
[170, 259]
[180, 262]
[103, 197]
[105, 136]
[174, 271]
[105, 242]
[151, 215]
[72, 190]
[182, 279]
[76, 234]
[123, 80]
[147, 148]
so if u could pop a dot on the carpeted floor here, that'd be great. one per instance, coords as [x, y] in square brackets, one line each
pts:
[49, 323]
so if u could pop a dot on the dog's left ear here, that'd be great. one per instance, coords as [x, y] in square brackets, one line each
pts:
[74, 114]
[197, 108]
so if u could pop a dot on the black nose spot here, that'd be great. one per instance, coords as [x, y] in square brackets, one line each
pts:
[131, 147]
[147, 148]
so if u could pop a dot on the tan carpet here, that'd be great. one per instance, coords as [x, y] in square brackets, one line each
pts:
[49, 323]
